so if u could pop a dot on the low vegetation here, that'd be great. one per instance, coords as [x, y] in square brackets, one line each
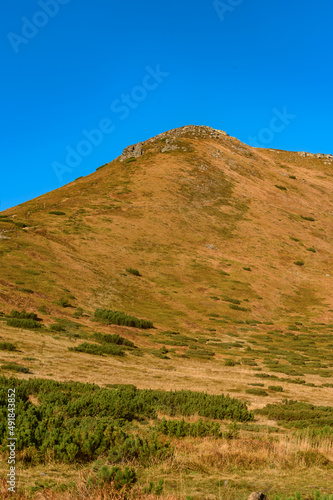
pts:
[135, 272]
[30, 324]
[98, 350]
[120, 318]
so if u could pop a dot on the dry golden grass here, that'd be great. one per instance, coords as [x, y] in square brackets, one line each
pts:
[102, 493]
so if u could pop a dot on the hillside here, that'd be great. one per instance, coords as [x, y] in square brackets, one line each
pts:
[222, 250]
[196, 203]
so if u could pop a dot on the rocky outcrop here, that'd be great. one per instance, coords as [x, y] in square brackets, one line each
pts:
[257, 495]
[133, 151]
[170, 140]
[313, 155]
[191, 130]
[169, 146]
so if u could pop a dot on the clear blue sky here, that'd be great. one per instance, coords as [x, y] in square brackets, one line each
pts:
[135, 69]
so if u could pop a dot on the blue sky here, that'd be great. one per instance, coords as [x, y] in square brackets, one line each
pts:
[261, 71]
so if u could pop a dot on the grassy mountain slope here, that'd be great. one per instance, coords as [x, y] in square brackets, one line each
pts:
[181, 217]
[231, 243]
[227, 250]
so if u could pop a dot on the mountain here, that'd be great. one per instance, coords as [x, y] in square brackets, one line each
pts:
[208, 222]
[190, 278]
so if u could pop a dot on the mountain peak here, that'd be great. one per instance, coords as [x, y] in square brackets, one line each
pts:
[170, 137]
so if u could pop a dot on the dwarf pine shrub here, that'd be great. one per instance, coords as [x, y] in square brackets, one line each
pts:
[276, 388]
[23, 323]
[24, 315]
[98, 350]
[79, 423]
[7, 346]
[113, 339]
[229, 362]
[120, 318]
[311, 219]
[257, 392]
[15, 367]
[135, 272]
[299, 415]
[180, 428]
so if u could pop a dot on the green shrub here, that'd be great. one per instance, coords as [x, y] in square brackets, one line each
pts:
[257, 392]
[249, 362]
[120, 318]
[20, 224]
[63, 302]
[311, 219]
[294, 239]
[299, 415]
[7, 346]
[23, 323]
[233, 301]
[239, 308]
[113, 339]
[158, 353]
[151, 488]
[57, 212]
[276, 388]
[283, 188]
[180, 428]
[56, 327]
[296, 381]
[98, 350]
[144, 450]
[24, 315]
[121, 478]
[78, 313]
[80, 423]
[247, 269]
[135, 272]
[292, 177]
[200, 353]
[32, 271]
[15, 367]
[229, 362]
[299, 263]
[311, 249]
